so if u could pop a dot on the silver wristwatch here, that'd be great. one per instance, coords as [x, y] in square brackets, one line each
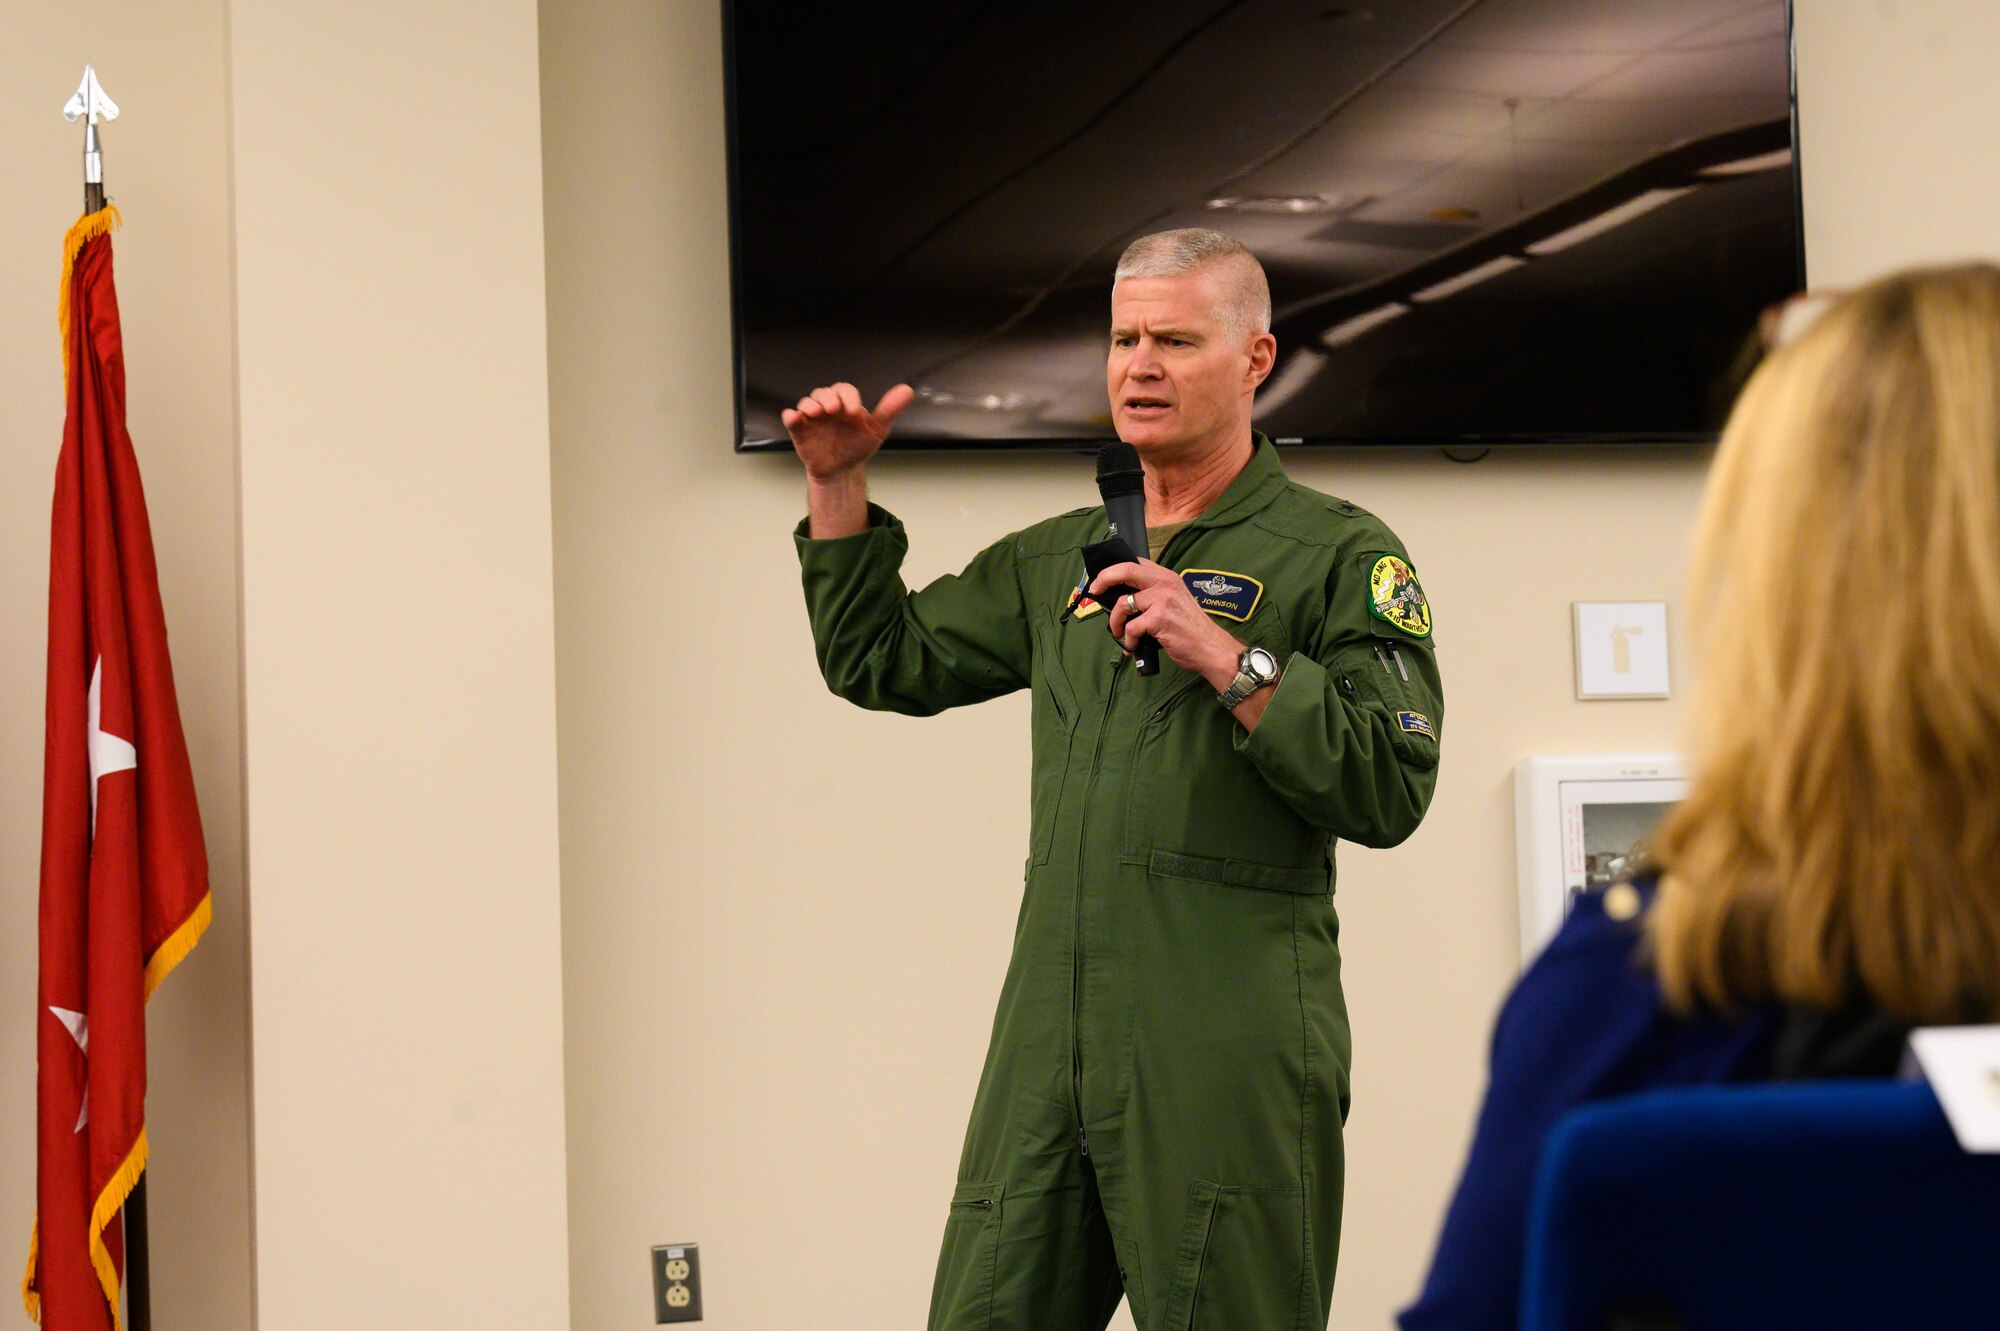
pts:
[1254, 669]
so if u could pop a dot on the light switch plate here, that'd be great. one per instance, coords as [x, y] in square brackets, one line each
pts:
[1621, 649]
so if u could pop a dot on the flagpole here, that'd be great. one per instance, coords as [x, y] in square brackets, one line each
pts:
[138, 1261]
[91, 105]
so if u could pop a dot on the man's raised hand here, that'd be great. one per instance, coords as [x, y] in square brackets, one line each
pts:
[834, 433]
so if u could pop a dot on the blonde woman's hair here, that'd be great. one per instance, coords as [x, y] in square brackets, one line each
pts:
[1841, 837]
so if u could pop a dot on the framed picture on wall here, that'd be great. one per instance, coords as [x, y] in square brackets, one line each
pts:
[1583, 822]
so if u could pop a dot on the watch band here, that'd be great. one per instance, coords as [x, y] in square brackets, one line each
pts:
[1239, 688]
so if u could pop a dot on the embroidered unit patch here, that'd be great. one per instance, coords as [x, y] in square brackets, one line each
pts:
[1229, 595]
[1416, 723]
[1397, 598]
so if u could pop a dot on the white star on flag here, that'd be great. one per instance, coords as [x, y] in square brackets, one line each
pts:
[78, 1027]
[108, 753]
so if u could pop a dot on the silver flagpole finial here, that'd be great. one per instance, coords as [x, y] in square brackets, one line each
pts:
[90, 105]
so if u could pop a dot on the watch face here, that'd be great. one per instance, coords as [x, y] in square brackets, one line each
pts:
[1262, 663]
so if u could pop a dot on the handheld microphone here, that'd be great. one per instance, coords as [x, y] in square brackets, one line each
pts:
[1122, 482]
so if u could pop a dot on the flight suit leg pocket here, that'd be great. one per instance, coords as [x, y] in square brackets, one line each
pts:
[962, 1295]
[1241, 1261]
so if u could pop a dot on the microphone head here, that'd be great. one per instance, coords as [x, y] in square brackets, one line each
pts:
[1118, 469]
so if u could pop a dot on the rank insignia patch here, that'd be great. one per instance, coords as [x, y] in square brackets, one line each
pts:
[1229, 595]
[1397, 598]
[1080, 606]
[1416, 723]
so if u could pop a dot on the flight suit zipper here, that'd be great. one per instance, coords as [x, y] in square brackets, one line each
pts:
[1083, 840]
[1077, 942]
[1076, 924]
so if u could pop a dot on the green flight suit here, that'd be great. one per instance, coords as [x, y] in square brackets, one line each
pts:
[1161, 1108]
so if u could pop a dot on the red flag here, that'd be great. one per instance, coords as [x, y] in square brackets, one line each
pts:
[124, 870]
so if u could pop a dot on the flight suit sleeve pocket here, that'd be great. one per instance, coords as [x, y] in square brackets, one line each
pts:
[1368, 679]
[963, 1292]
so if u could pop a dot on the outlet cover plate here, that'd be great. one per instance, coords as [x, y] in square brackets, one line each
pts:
[677, 1283]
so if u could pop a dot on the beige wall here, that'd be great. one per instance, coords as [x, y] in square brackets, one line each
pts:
[786, 920]
[398, 665]
[1898, 104]
[167, 166]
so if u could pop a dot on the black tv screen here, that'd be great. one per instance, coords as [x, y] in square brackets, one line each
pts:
[1488, 222]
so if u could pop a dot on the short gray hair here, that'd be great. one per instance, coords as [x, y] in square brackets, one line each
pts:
[1245, 302]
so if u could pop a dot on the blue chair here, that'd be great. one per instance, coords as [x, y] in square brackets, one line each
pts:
[1811, 1205]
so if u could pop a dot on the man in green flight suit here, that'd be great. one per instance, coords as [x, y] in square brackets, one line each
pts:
[1161, 1108]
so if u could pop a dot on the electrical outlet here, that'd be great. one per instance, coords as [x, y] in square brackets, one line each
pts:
[677, 1283]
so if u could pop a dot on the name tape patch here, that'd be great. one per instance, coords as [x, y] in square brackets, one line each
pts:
[1227, 595]
[1417, 724]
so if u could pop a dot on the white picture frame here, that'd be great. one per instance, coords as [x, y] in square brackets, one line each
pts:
[1563, 806]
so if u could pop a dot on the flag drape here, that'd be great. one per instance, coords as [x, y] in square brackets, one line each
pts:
[124, 881]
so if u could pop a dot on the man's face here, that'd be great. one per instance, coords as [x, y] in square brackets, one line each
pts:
[1178, 377]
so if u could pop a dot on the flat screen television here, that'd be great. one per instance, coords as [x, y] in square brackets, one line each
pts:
[1484, 221]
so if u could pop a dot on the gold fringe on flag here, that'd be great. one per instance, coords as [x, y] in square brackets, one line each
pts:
[29, 1294]
[87, 228]
[123, 1180]
[179, 943]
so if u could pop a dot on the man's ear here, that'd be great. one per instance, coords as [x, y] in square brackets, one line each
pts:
[1263, 355]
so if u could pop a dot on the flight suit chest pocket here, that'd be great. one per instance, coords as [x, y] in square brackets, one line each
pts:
[1376, 677]
[1054, 716]
[1192, 795]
